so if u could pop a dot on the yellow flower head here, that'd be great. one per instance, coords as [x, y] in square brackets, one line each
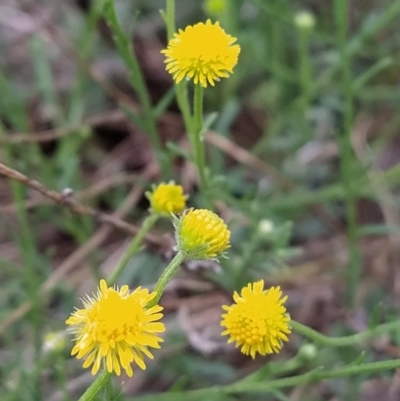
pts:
[167, 198]
[201, 234]
[258, 321]
[203, 52]
[116, 327]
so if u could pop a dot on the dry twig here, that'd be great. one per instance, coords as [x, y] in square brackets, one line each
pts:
[65, 198]
[95, 189]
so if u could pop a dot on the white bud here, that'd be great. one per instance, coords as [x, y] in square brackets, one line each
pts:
[265, 227]
[305, 20]
[54, 341]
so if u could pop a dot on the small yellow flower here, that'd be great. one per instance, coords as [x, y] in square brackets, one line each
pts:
[203, 52]
[258, 321]
[201, 234]
[167, 198]
[116, 327]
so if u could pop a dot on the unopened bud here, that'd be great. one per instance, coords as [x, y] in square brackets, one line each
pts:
[265, 227]
[214, 7]
[54, 341]
[305, 20]
[308, 352]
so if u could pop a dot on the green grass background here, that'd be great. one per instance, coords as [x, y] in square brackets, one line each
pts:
[318, 108]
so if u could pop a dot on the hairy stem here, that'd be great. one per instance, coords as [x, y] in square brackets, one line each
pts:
[166, 277]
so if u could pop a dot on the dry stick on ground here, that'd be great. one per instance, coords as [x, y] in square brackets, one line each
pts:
[66, 199]
[245, 157]
[94, 190]
[80, 254]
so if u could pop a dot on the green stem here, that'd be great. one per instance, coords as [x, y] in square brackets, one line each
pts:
[305, 68]
[136, 78]
[198, 132]
[346, 152]
[181, 88]
[133, 247]
[166, 277]
[345, 340]
[99, 383]
[316, 376]
[170, 18]
[280, 368]
[109, 390]
[193, 124]
[243, 387]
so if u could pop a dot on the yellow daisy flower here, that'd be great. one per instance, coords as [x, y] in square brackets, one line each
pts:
[116, 327]
[258, 321]
[167, 198]
[201, 234]
[203, 52]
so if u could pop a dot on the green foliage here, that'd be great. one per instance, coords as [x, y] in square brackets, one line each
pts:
[298, 92]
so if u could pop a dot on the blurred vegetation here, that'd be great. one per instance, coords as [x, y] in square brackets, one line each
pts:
[303, 148]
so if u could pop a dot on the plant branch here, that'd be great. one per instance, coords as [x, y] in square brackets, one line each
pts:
[65, 199]
[243, 387]
[344, 341]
